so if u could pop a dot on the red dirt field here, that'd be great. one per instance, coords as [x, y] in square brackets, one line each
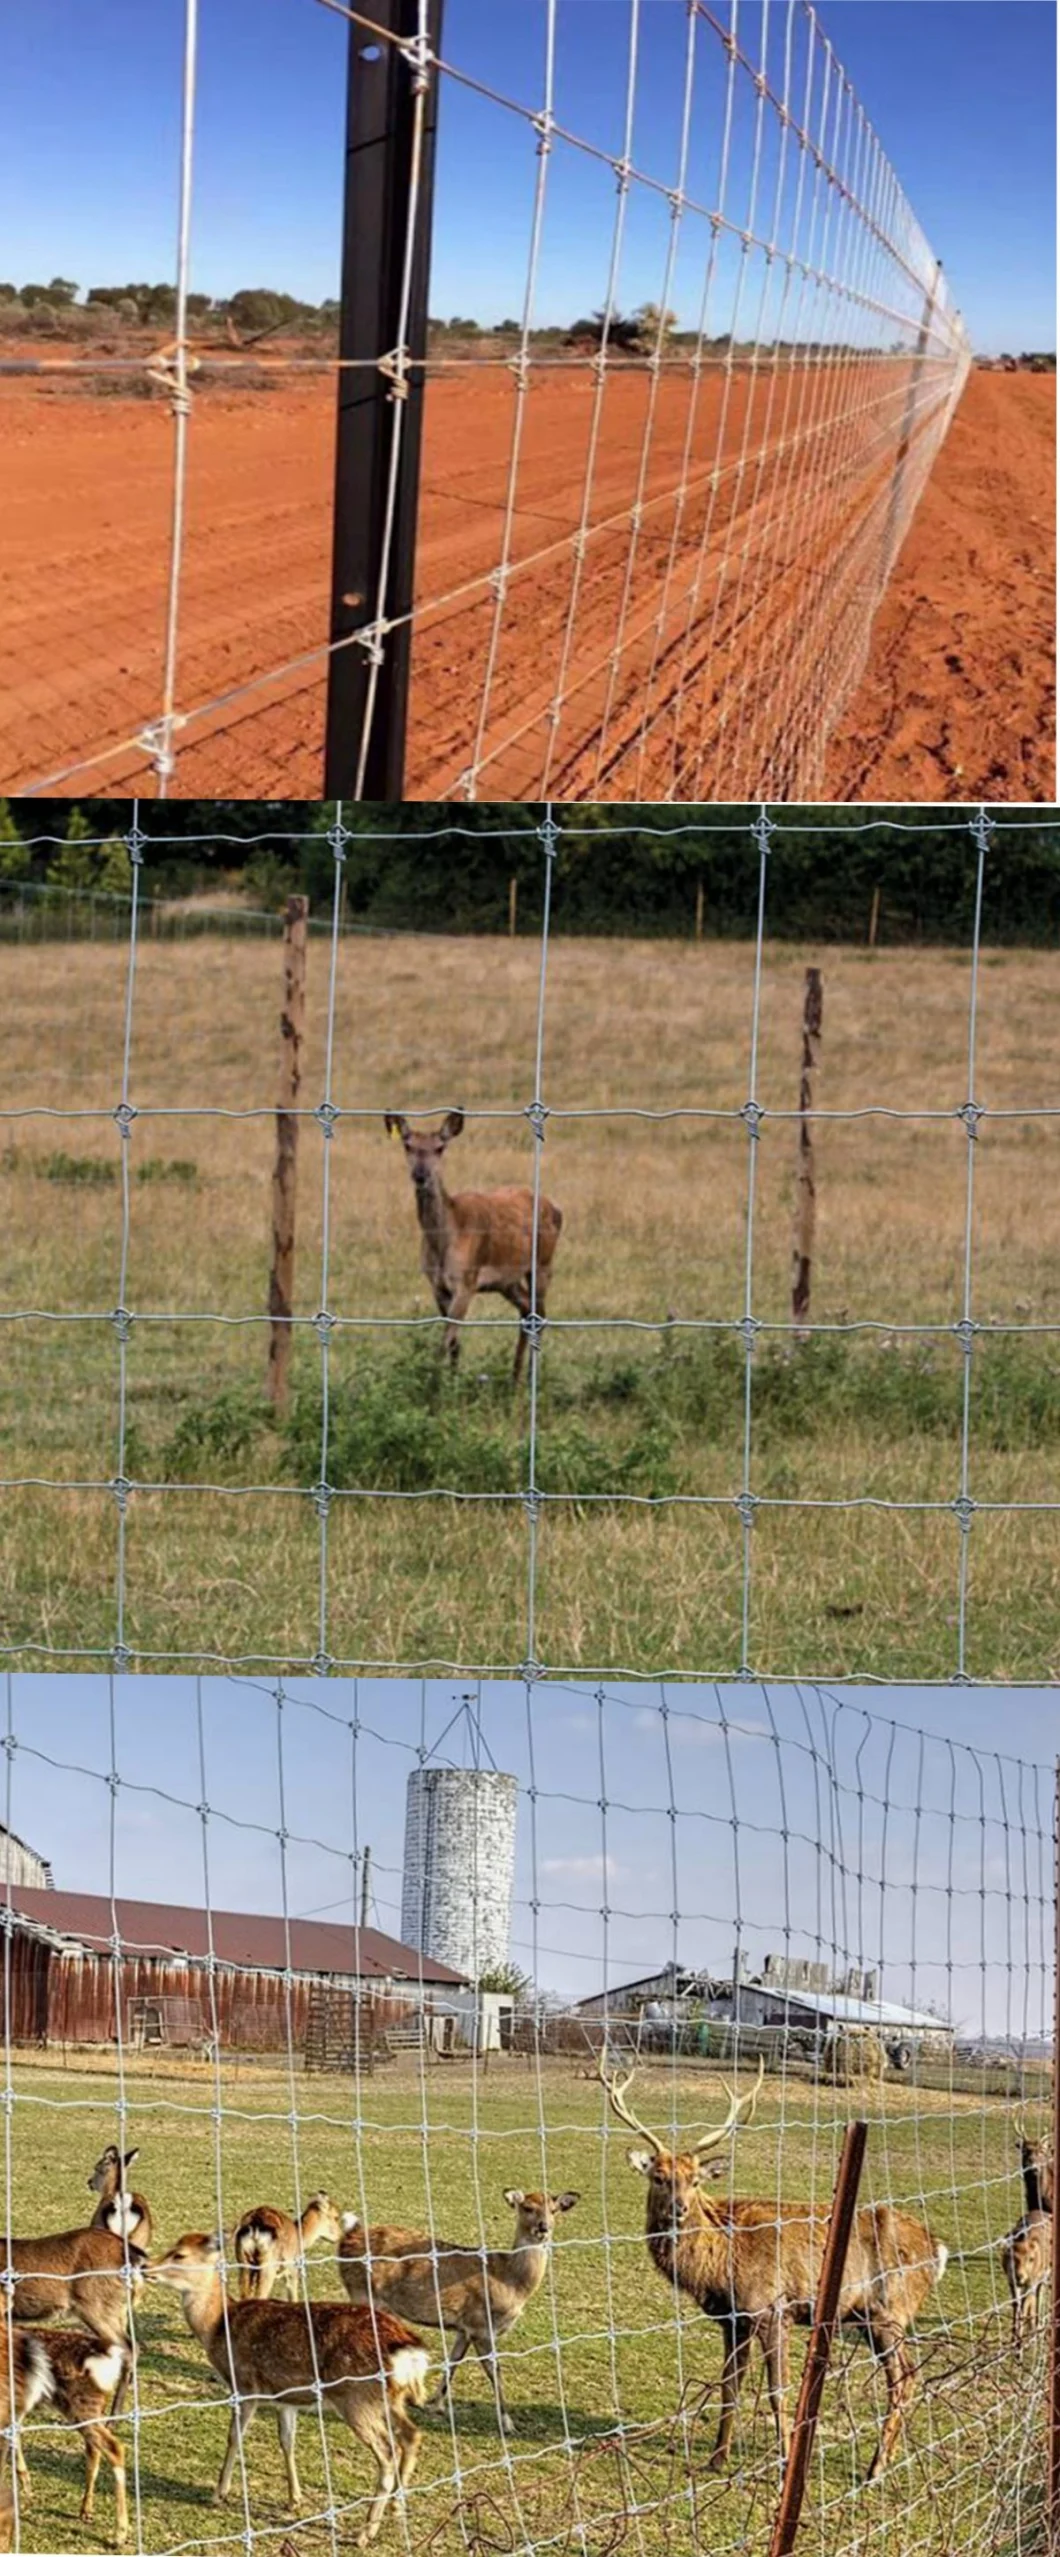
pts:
[702, 659]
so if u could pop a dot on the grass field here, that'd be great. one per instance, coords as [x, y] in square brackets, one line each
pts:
[636, 1425]
[602, 2343]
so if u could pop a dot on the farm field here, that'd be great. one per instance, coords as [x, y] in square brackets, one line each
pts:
[855, 1445]
[740, 608]
[603, 2345]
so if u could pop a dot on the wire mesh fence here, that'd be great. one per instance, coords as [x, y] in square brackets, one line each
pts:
[649, 548]
[614, 2214]
[579, 1890]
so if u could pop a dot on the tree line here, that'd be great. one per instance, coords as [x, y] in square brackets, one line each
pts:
[616, 870]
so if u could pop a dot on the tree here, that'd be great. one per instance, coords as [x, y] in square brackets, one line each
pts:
[62, 289]
[655, 325]
[71, 866]
[505, 1980]
[13, 859]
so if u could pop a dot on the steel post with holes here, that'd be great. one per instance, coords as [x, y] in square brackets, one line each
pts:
[1053, 2482]
[818, 2353]
[380, 128]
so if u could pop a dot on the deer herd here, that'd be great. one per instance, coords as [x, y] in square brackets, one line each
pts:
[752, 2265]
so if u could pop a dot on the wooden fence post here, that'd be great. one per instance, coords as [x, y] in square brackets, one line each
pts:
[1053, 2482]
[513, 907]
[806, 1182]
[874, 918]
[700, 903]
[818, 2351]
[284, 1178]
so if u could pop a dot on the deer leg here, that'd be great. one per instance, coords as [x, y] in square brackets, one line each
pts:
[389, 2469]
[408, 2445]
[440, 2396]
[287, 2427]
[243, 2413]
[488, 2357]
[772, 2336]
[24, 2483]
[459, 1300]
[732, 2378]
[900, 2374]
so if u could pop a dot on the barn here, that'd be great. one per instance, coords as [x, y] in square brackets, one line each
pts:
[81, 1966]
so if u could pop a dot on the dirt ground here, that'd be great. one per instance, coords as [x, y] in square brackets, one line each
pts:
[703, 659]
[957, 700]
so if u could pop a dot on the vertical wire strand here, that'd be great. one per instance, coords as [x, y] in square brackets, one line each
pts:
[164, 759]
[981, 830]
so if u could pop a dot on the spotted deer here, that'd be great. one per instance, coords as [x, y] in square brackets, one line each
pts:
[755, 2266]
[70, 2373]
[125, 2214]
[359, 2364]
[477, 2293]
[270, 2245]
[476, 1242]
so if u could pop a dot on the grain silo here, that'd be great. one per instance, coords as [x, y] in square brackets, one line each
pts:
[456, 1902]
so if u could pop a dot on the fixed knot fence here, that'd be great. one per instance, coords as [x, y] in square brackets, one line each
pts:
[635, 555]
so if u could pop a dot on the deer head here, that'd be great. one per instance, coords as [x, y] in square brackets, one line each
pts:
[675, 2179]
[536, 2214]
[424, 1147]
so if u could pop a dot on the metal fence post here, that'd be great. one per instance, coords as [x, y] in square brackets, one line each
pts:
[380, 125]
[818, 2351]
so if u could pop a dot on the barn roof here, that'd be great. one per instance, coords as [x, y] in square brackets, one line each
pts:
[247, 1941]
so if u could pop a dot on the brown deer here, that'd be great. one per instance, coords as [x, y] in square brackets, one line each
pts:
[1027, 2251]
[81, 2273]
[476, 1242]
[480, 2293]
[366, 2366]
[270, 2245]
[62, 2368]
[754, 2266]
[126, 2214]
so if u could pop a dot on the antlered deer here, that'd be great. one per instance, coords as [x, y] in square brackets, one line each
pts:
[126, 2214]
[274, 2352]
[62, 2368]
[476, 1242]
[1027, 2251]
[755, 2267]
[480, 2294]
[269, 2245]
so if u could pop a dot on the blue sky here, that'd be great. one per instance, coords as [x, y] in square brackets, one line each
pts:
[962, 93]
[916, 1852]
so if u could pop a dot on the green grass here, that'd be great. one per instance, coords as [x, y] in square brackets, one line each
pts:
[433, 1568]
[605, 2341]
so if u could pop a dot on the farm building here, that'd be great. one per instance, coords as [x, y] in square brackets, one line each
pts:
[69, 1981]
[788, 1997]
[459, 1860]
[19, 1863]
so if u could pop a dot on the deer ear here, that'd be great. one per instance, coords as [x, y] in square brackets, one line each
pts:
[131, 2156]
[513, 2196]
[451, 1125]
[641, 2159]
[566, 2201]
[394, 1124]
[707, 2168]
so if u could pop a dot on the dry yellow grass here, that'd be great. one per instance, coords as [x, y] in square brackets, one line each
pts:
[655, 1224]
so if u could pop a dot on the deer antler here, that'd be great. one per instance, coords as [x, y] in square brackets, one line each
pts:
[617, 2098]
[741, 2108]
[1020, 2126]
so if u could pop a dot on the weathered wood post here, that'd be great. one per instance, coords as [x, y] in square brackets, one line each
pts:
[285, 1170]
[874, 918]
[513, 907]
[806, 1180]
[700, 903]
[822, 2333]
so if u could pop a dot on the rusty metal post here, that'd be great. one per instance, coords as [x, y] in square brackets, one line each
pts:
[284, 1178]
[825, 2321]
[1054, 2310]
